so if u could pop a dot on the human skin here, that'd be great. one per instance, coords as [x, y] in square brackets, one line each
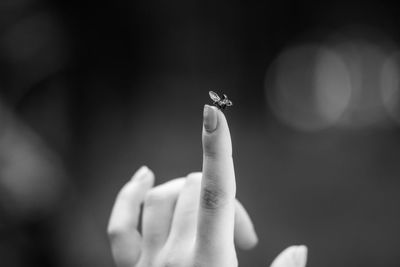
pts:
[194, 221]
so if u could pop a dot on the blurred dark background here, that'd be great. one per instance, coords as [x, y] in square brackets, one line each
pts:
[90, 91]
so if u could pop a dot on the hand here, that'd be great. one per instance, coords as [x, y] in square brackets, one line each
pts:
[190, 221]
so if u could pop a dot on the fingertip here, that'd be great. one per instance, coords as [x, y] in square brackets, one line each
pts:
[249, 243]
[302, 249]
[213, 119]
[253, 237]
[245, 235]
[142, 171]
[218, 140]
[253, 240]
[301, 255]
[144, 175]
[293, 256]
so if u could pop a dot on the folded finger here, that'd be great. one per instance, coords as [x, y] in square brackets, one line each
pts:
[184, 224]
[122, 227]
[158, 212]
[245, 235]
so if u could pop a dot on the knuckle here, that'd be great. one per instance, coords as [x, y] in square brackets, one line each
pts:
[172, 260]
[198, 263]
[171, 263]
[154, 239]
[217, 156]
[212, 198]
[202, 261]
[154, 197]
[194, 175]
[194, 179]
[210, 153]
[114, 232]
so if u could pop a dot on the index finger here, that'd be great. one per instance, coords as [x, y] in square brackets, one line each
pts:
[217, 204]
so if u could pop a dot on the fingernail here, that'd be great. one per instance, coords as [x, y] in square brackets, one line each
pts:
[210, 119]
[300, 256]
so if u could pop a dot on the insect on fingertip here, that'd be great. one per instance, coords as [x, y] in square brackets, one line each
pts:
[221, 104]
